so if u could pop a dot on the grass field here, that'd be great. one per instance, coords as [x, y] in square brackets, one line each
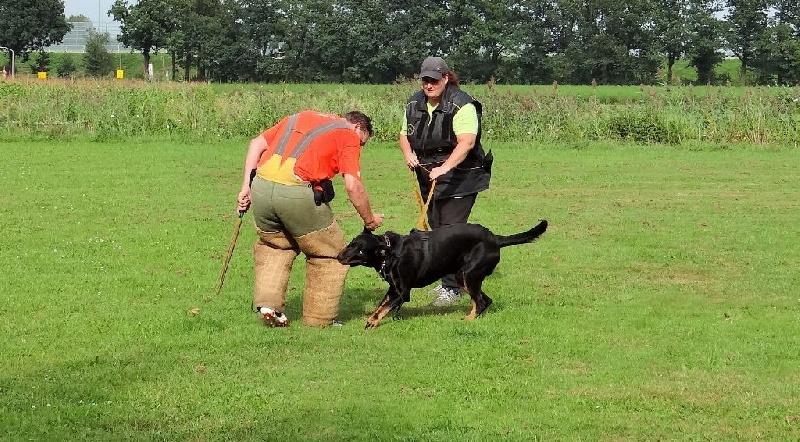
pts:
[661, 304]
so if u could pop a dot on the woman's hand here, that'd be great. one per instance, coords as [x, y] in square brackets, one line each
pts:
[436, 172]
[411, 160]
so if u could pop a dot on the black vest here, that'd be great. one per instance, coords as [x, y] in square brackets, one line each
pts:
[433, 140]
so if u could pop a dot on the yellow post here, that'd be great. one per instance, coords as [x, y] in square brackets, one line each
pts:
[120, 74]
[42, 75]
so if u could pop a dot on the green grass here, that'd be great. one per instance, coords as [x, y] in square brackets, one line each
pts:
[661, 304]
[109, 110]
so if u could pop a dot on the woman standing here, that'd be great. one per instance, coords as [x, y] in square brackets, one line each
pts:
[441, 142]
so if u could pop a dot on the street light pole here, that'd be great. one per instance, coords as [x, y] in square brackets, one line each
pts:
[12, 59]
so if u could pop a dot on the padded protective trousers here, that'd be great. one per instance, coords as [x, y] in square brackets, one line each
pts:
[273, 255]
[275, 252]
[324, 275]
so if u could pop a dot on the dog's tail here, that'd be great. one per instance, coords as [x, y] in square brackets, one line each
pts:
[524, 237]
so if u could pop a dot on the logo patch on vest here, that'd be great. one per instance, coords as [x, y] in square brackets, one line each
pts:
[410, 129]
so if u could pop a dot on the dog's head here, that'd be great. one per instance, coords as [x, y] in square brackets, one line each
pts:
[366, 249]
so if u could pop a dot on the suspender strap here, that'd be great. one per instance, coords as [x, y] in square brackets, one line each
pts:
[307, 138]
[281, 146]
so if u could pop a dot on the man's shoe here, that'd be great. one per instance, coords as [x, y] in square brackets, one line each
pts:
[273, 318]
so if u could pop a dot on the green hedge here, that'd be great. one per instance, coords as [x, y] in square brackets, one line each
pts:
[120, 109]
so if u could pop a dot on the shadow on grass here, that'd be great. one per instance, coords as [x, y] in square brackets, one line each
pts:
[358, 304]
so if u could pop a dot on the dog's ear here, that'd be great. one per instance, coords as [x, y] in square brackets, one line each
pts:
[366, 231]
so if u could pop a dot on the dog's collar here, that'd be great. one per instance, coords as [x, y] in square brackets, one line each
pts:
[426, 255]
[382, 270]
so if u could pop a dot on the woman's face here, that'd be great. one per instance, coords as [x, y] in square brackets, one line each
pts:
[434, 88]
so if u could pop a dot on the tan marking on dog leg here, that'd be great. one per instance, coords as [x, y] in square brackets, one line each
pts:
[376, 316]
[473, 313]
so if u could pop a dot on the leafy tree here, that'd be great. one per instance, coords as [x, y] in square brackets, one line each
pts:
[30, 25]
[705, 40]
[788, 12]
[373, 45]
[97, 62]
[418, 29]
[145, 25]
[612, 42]
[671, 28]
[263, 45]
[201, 26]
[317, 46]
[747, 23]
[780, 49]
[778, 59]
[510, 41]
[484, 34]
[67, 67]
[535, 39]
[42, 62]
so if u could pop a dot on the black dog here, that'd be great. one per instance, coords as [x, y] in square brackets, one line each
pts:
[470, 251]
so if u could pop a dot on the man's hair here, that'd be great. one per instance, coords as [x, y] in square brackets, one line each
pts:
[361, 120]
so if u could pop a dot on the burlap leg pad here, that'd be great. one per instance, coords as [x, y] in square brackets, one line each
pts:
[324, 275]
[273, 254]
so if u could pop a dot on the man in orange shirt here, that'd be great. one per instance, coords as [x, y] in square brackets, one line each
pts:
[294, 162]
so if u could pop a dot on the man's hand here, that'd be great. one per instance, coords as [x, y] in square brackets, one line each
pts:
[243, 200]
[377, 220]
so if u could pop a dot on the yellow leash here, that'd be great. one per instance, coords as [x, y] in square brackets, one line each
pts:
[422, 220]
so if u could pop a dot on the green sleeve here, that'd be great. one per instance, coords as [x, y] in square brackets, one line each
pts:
[465, 121]
[404, 130]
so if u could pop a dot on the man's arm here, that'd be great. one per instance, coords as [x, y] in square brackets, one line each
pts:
[257, 146]
[358, 197]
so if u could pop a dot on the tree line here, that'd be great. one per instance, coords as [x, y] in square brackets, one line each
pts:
[503, 41]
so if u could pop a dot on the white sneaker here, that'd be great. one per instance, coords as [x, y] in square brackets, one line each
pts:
[446, 296]
[273, 318]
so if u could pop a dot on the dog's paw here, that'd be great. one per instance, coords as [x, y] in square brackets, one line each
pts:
[371, 323]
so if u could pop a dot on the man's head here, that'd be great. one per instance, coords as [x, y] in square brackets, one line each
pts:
[363, 125]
